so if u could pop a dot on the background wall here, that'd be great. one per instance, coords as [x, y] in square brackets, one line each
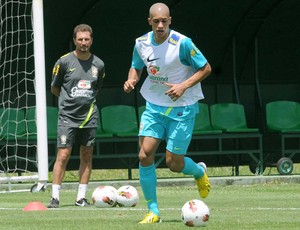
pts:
[252, 46]
[252, 43]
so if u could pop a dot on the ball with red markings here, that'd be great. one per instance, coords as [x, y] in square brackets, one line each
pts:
[127, 196]
[104, 196]
[195, 213]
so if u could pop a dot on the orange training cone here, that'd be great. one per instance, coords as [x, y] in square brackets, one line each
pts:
[34, 206]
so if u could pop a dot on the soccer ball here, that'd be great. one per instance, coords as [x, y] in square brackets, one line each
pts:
[195, 213]
[127, 196]
[104, 196]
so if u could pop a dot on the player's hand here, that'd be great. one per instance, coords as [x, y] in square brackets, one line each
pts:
[129, 85]
[175, 91]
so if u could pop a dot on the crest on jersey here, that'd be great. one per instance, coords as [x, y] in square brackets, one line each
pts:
[143, 38]
[174, 39]
[94, 71]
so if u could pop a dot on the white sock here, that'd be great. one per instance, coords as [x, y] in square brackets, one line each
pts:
[82, 188]
[55, 190]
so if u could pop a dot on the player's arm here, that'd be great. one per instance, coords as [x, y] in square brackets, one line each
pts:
[198, 76]
[134, 73]
[193, 56]
[101, 77]
[55, 90]
[190, 55]
[56, 79]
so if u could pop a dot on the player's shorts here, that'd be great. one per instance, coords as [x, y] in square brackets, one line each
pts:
[67, 136]
[178, 134]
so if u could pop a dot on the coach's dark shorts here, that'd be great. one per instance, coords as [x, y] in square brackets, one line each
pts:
[67, 136]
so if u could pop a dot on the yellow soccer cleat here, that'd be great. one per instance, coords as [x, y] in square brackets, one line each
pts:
[150, 218]
[203, 185]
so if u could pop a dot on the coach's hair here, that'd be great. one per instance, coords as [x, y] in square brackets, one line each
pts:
[82, 28]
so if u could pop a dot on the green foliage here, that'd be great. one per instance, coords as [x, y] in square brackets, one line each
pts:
[261, 206]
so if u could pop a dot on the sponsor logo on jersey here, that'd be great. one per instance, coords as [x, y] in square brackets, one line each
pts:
[76, 92]
[154, 70]
[158, 79]
[174, 39]
[84, 84]
[82, 89]
[154, 75]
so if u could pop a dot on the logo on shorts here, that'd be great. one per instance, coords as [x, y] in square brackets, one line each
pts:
[179, 114]
[63, 139]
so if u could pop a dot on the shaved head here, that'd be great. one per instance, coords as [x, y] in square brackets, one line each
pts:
[160, 20]
[159, 8]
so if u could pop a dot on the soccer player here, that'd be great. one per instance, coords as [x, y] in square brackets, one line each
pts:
[76, 79]
[172, 90]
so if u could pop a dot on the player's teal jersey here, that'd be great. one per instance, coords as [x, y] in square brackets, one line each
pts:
[187, 46]
[79, 82]
[173, 61]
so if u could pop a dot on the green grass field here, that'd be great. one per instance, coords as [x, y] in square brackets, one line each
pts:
[262, 206]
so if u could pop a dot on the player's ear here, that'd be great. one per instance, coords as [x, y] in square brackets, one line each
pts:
[170, 20]
[149, 21]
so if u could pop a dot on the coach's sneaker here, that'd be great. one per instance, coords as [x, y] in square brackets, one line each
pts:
[54, 203]
[82, 202]
[203, 183]
[150, 218]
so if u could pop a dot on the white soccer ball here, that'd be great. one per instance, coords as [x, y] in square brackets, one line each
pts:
[127, 196]
[195, 213]
[104, 196]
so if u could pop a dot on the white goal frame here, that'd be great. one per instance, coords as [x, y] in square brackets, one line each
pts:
[40, 89]
[41, 116]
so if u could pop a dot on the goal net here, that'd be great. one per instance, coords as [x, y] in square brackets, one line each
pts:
[22, 131]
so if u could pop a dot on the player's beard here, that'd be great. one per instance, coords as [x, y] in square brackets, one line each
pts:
[84, 49]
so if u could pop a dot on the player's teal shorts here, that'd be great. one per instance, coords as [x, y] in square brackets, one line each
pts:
[173, 124]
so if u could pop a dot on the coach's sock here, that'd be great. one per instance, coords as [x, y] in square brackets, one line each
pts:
[148, 185]
[55, 191]
[82, 188]
[191, 168]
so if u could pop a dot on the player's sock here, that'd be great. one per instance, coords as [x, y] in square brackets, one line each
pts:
[82, 188]
[191, 168]
[148, 185]
[55, 191]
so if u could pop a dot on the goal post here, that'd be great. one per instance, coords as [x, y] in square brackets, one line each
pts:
[23, 152]
[40, 92]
